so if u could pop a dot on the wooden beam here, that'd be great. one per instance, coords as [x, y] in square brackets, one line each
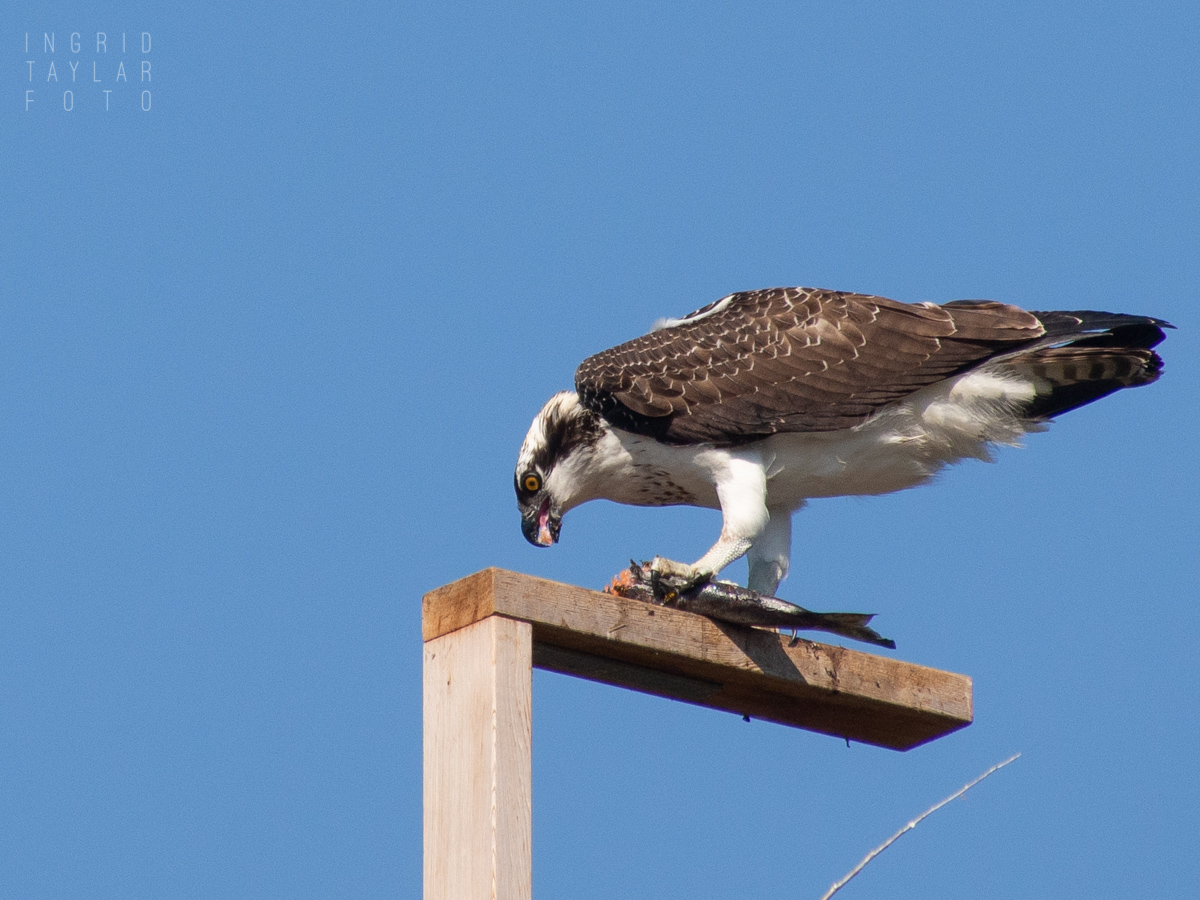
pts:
[478, 763]
[855, 695]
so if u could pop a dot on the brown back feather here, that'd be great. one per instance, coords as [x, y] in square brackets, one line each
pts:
[791, 360]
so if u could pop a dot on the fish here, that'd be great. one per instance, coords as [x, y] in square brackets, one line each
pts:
[728, 602]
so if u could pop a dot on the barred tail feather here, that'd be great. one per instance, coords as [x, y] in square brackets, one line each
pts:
[1092, 355]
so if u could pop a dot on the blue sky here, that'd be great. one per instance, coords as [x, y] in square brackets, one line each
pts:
[268, 350]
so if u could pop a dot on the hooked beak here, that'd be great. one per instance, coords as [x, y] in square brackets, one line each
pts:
[541, 529]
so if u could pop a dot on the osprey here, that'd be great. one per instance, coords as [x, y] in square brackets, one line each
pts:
[764, 399]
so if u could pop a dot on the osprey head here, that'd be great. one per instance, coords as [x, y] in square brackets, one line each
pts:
[551, 469]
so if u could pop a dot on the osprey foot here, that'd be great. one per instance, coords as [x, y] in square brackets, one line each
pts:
[669, 579]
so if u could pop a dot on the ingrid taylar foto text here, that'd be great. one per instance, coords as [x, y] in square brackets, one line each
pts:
[101, 78]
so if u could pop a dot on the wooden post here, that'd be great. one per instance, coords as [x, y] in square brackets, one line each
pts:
[483, 635]
[478, 765]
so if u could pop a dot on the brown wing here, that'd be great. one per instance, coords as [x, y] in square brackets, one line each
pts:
[791, 359]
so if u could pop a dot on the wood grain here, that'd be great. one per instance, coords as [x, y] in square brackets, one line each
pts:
[859, 696]
[478, 763]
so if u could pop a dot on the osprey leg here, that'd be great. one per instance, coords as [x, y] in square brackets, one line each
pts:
[768, 558]
[741, 483]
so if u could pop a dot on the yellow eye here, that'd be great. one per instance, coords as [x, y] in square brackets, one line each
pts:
[532, 483]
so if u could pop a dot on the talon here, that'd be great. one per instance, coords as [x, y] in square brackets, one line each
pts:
[656, 586]
[686, 576]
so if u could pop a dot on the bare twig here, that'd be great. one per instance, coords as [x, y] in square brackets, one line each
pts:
[838, 885]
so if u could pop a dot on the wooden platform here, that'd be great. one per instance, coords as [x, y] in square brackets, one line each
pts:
[847, 693]
[484, 635]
